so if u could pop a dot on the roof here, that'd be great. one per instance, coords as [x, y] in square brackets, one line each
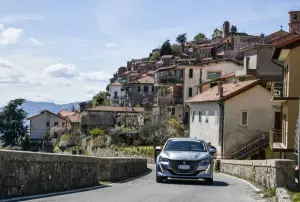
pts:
[116, 109]
[290, 41]
[65, 113]
[146, 79]
[232, 74]
[74, 118]
[41, 112]
[165, 68]
[229, 90]
[116, 83]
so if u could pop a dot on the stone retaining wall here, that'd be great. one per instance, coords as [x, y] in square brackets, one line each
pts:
[271, 173]
[27, 173]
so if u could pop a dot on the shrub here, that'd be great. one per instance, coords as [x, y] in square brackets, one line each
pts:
[95, 132]
[26, 143]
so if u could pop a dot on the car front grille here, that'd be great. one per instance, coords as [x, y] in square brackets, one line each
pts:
[174, 165]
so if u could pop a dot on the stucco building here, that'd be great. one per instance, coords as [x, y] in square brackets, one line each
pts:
[228, 117]
[116, 94]
[43, 122]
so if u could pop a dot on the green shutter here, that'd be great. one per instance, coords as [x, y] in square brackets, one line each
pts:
[190, 92]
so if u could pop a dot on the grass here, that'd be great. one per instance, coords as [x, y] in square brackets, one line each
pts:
[105, 183]
[269, 193]
[295, 196]
[138, 150]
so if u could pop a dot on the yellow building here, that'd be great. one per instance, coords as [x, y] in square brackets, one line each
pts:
[286, 54]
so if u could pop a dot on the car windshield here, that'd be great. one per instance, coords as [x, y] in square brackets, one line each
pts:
[180, 145]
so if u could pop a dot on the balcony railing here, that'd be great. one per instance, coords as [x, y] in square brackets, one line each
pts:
[276, 136]
[169, 80]
[277, 91]
[168, 101]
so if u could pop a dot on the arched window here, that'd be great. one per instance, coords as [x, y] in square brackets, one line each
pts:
[295, 16]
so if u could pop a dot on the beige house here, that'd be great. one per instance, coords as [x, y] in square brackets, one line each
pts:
[287, 54]
[228, 117]
[44, 122]
[72, 118]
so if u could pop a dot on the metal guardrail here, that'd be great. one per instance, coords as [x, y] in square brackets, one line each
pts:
[275, 136]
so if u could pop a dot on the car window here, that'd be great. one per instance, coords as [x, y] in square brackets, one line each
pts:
[179, 145]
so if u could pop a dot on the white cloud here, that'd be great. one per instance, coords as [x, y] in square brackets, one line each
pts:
[100, 76]
[5, 64]
[35, 41]
[111, 45]
[10, 76]
[62, 70]
[10, 36]
[1, 26]
[20, 17]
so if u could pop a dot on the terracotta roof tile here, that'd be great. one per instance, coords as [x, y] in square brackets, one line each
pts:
[74, 118]
[165, 68]
[116, 83]
[42, 111]
[65, 113]
[117, 109]
[229, 90]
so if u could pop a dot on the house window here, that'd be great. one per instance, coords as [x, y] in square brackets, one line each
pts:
[152, 89]
[295, 16]
[139, 88]
[190, 92]
[145, 88]
[63, 124]
[191, 73]
[213, 75]
[193, 116]
[244, 118]
[206, 117]
[55, 123]
[173, 111]
[48, 124]
[200, 114]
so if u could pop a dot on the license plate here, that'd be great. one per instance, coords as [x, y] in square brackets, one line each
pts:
[184, 167]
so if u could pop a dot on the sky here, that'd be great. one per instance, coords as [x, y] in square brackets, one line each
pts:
[66, 51]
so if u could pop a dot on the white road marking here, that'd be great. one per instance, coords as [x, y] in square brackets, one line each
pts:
[250, 184]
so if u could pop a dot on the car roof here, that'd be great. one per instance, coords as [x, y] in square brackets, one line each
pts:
[187, 139]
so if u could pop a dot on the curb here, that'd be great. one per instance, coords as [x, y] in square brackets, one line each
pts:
[282, 195]
[245, 181]
[53, 194]
[148, 171]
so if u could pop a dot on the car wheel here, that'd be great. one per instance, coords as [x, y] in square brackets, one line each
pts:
[209, 181]
[160, 179]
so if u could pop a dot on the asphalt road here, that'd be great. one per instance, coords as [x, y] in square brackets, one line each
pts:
[146, 189]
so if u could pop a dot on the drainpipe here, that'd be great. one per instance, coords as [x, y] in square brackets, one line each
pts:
[221, 118]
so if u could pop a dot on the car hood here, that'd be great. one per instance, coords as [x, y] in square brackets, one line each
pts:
[184, 155]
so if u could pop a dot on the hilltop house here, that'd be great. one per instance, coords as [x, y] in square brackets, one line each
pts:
[73, 120]
[228, 117]
[116, 94]
[42, 123]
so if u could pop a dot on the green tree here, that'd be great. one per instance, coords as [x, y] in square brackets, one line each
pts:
[181, 39]
[26, 143]
[95, 132]
[82, 106]
[154, 56]
[176, 49]
[166, 48]
[100, 99]
[199, 36]
[12, 123]
[233, 29]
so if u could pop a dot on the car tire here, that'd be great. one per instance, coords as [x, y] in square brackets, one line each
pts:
[209, 181]
[160, 179]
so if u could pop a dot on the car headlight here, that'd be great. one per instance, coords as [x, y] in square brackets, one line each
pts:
[162, 159]
[205, 161]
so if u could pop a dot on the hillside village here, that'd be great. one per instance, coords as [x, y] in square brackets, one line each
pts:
[238, 91]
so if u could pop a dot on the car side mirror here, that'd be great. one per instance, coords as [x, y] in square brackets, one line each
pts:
[212, 151]
[158, 149]
[157, 152]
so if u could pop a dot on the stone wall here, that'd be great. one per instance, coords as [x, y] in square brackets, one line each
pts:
[27, 173]
[271, 173]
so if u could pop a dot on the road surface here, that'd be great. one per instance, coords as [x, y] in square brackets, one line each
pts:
[145, 189]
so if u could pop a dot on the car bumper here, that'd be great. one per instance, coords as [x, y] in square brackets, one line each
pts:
[202, 172]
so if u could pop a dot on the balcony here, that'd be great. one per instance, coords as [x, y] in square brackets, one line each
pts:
[169, 80]
[167, 101]
[277, 92]
[276, 140]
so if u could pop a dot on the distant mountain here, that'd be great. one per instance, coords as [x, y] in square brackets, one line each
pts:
[33, 108]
